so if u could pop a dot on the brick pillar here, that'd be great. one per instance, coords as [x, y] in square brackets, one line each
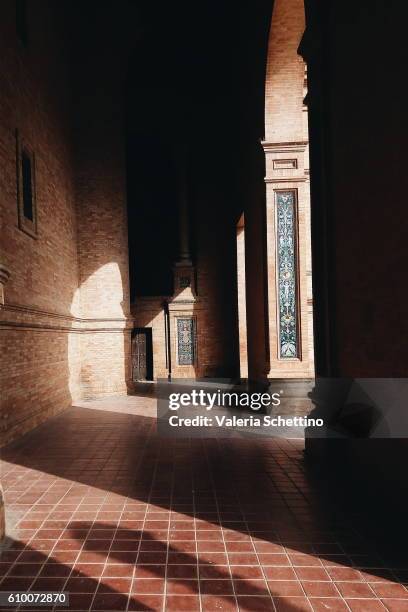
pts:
[185, 324]
[287, 185]
[256, 276]
[242, 323]
[184, 256]
[103, 241]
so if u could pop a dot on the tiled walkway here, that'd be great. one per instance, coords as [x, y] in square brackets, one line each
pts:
[99, 507]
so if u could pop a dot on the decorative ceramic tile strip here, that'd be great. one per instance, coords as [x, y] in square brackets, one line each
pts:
[287, 273]
[186, 340]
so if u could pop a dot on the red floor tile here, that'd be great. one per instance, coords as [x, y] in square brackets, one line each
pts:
[240, 572]
[344, 574]
[304, 560]
[80, 601]
[212, 558]
[216, 587]
[285, 588]
[212, 603]
[182, 586]
[354, 589]
[25, 569]
[258, 604]
[280, 573]
[239, 547]
[118, 585]
[320, 589]
[329, 604]
[110, 601]
[119, 570]
[145, 603]
[150, 571]
[243, 559]
[78, 584]
[105, 507]
[211, 546]
[365, 605]
[312, 573]
[93, 570]
[182, 571]
[292, 604]
[56, 570]
[251, 587]
[389, 590]
[182, 603]
[396, 605]
[148, 586]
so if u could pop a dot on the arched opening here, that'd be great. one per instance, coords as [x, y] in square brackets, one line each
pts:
[184, 189]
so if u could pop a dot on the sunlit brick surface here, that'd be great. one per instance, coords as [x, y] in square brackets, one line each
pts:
[100, 507]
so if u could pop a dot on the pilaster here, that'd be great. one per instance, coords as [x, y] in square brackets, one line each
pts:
[288, 259]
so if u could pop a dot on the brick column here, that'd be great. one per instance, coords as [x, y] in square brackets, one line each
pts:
[184, 308]
[184, 257]
[103, 239]
[242, 323]
[287, 184]
[256, 284]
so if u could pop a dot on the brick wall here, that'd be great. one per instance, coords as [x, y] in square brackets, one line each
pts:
[39, 350]
[100, 163]
[284, 73]
[64, 327]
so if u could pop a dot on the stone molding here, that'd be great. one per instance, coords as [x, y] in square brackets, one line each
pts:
[15, 316]
[295, 179]
[284, 147]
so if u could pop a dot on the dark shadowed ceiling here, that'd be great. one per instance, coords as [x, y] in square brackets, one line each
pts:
[195, 77]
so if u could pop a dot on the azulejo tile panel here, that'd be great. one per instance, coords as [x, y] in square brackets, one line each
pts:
[186, 340]
[287, 274]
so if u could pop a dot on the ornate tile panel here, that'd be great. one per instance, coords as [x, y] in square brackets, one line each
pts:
[186, 340]
[287, 274]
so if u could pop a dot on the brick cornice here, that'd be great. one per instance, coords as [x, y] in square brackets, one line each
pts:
[16, 316]
[284, 147]
[294, 179]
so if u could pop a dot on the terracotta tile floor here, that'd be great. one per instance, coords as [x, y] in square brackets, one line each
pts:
[100, 507]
